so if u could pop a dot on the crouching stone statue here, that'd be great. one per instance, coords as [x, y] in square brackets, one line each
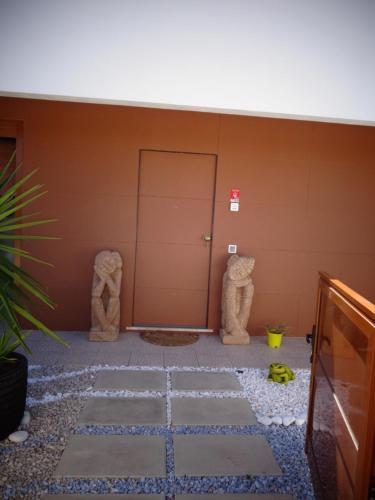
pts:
[237, 296]
[105, 296]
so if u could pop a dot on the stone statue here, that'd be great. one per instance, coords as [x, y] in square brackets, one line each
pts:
[237, 296]
[105, 296]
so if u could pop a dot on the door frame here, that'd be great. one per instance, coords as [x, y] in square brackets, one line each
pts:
[215, 156]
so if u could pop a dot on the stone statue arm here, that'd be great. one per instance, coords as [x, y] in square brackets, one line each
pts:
[114, 283]
[98, 283]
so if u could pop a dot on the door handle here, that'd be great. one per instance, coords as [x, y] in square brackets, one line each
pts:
[206, 237]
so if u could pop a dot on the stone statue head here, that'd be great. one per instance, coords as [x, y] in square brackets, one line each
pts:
[240, 268]
[108, 261]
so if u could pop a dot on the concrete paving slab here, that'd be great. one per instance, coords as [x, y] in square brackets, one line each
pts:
[200, 381]
[187, 358]
[236, 496]
[119, 347]
[113, 358]
[113, 456]
[114, 496]
[123, 411]
[131, 380]
[209, 411]
[139, 358]
[217, 455]
[248, 361]
[209, 360]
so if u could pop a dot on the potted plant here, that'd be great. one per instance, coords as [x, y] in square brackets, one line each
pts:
[18, 292]
[275, 334]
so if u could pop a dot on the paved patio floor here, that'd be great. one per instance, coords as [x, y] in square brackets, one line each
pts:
[131, 350]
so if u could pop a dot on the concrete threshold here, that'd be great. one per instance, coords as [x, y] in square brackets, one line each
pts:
[167, 329]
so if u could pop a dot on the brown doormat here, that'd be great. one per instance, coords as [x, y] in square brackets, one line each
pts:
[169, 338]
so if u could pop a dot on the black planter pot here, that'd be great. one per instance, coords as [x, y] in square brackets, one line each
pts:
[13, 389]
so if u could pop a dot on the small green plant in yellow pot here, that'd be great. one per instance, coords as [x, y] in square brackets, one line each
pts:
[275, 335]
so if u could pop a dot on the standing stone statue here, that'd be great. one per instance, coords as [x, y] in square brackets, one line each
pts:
[237, 296]
[105, 296]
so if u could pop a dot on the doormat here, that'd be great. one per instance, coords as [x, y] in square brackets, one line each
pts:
[169, 339]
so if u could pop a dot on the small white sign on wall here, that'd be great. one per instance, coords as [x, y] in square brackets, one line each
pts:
[232, 248]
[234, 206]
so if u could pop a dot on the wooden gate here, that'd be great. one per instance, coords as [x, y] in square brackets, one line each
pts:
[341, 423]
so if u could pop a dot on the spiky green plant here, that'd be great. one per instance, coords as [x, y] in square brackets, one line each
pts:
[279, 329]
[18, 290]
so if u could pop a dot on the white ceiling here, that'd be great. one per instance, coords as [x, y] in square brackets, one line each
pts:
[311, 59]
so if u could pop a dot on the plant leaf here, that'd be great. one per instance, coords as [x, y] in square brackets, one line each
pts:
[16, 227]
[9, 192]
[18, 289]
[40, 326]
[5, 170]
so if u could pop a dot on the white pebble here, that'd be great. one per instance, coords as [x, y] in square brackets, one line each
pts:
[18, 436]
[275, 399]
[277, 420]
[26, 418]
[300, 421]
[264, 420]
[287, 420]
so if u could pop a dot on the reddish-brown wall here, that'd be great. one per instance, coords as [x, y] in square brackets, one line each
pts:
[307, 200]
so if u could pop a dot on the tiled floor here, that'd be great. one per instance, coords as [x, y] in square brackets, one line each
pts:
[131, 350]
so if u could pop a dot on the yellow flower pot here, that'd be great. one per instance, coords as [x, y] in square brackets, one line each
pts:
[274, 340]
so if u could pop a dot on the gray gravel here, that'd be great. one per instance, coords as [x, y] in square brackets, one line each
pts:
[57, 397]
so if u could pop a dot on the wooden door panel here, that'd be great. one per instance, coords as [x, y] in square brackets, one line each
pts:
[169, 306]
[175, 207]
[177, 175]
[177, 263]
[172, 220]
